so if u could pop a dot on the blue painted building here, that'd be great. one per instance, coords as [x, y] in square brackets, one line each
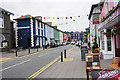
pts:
[75, 36]
[30, 32]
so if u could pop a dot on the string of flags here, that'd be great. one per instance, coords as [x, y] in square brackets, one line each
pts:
[71, 17]
[74, 18]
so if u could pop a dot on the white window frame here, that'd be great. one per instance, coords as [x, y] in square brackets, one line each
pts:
[40, 29]
[36, 27]
[2, 20]
[43, 30]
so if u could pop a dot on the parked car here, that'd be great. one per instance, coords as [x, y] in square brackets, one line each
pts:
[68, 42]
[64, 43]
[72, 43]
[78, 44]
[52, 44]
[61, 44]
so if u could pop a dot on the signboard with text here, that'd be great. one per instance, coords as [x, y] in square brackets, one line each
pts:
[106, 74]
[95, 19]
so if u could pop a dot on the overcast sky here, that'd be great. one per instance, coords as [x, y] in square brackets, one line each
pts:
[53, 8]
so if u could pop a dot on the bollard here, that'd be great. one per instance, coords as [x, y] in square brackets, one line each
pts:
[29, 50]
[16, 53]
[61, 57]
[37, 49]
[87, 72]
[65, 53]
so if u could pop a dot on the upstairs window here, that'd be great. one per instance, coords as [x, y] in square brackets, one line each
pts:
[1, 21]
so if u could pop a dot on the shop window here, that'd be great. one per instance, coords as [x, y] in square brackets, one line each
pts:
[2, 38]
[108, 39]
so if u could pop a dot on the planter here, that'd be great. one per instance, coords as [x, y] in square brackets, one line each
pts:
[95, 51]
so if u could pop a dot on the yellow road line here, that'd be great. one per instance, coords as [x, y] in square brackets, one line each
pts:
[44, 68]
[4, 59]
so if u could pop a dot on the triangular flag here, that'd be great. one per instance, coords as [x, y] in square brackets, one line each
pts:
[3, 12]
[35, 17]
[57, 17]
[53, 17]
[66, 17]
[79, 16]
[22, 16]
[48, 17]
[44, 17]
[74, 16]
[13, 14]
[31, 17]
[66, 22]
[8, 13]
[71, 17]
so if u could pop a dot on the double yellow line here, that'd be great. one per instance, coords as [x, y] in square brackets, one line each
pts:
[44, 68]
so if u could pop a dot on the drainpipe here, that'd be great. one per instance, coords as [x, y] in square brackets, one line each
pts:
[115, 45]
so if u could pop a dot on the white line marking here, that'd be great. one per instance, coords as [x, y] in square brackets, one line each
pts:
[43, 55]
[14, 65]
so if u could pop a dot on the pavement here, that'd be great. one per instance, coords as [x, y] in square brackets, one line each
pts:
[71, 67]
[5, 56]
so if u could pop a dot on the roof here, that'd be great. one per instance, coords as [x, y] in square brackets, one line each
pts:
[92, 8]
[24, 17]
[1, 9]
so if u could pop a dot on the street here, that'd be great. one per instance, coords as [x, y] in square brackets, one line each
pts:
[25, 66]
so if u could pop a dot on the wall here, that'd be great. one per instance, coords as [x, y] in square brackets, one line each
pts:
[103, 11]
[56, 34]
[111, 4]
[24, 33]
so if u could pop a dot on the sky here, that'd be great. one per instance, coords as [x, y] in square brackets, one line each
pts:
[53, 8]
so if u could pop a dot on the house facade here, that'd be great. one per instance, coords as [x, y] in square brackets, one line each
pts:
[64, 37]
[30, 32]
[109, 29]
[76, 36]
[94, 20]
[61, 36]
[57, 35]
[5, 30]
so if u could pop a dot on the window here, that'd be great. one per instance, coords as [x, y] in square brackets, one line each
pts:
[1, 21]
[115, 3]
[2, 38]
[109, 39]
[106, 6]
